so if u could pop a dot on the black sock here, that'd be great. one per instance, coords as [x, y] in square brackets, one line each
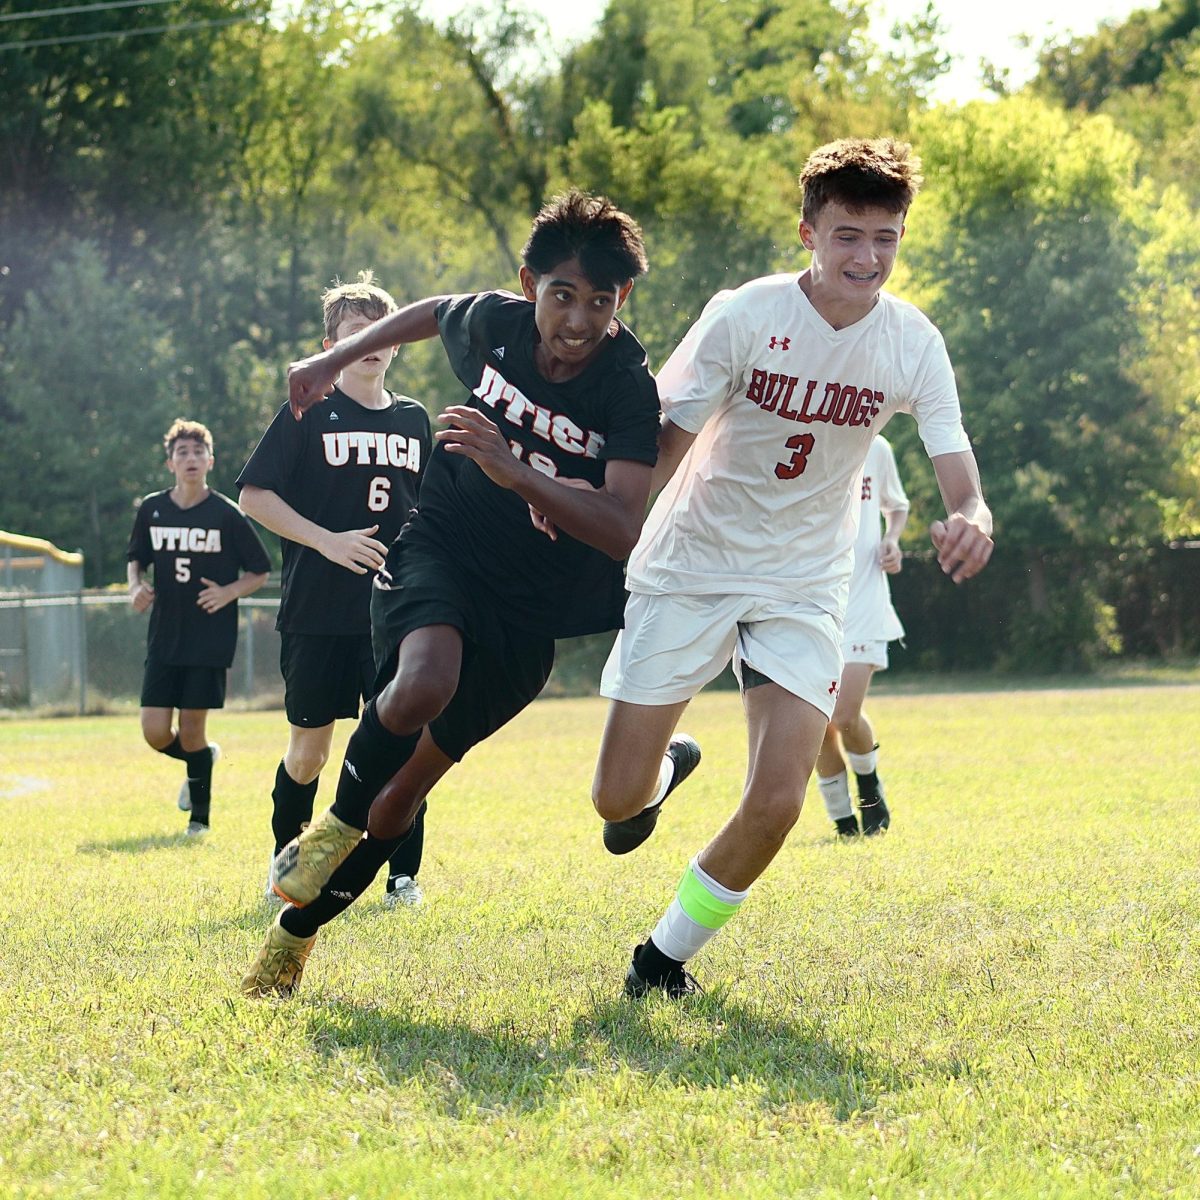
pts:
[868, 788]
[174, 750]
[345, 886]
[653, 965]
[293, 806]
[406, 858]
[373, 756]
[199, 773]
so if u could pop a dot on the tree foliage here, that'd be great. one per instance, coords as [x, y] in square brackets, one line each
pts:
[223, 175]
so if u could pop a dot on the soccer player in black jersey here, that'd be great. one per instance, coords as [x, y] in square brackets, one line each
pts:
[204, 555]
[336, 488]
[474, 592]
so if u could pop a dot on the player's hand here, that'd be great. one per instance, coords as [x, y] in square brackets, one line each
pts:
[310, 380]
[541, 522]
[890, 558]
[141, 597]
[963, 547]
[474, 436]
[355, 549]
[213, 596]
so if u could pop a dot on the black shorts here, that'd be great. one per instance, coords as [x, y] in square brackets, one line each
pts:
[324, 678]
[165, 686]
[503, 668]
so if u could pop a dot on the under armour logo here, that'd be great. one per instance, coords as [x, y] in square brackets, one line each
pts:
[859, 647]
[781, 343]
[833, 688]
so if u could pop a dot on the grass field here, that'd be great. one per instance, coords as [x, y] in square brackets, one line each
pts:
[998, 999]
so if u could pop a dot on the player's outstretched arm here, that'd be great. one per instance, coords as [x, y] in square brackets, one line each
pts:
[311, 379]
[609, 518]
[964, 539]
[355, 549]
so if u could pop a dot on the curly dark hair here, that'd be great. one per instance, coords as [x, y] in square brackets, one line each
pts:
[606, 241]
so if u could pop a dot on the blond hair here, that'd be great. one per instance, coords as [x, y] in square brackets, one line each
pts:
[362, 298]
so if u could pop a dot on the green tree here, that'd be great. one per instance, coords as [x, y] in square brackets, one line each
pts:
[89, 401]
[1088, 70]
[1025, 253]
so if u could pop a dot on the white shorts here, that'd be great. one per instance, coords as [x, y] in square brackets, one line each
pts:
[873, 653]
[672, 646]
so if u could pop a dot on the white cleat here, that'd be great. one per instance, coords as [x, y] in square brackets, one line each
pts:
[403, 892]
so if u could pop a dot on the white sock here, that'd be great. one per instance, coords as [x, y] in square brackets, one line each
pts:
[863, 764]
[835, 791]
[666, 772]
[710, 904]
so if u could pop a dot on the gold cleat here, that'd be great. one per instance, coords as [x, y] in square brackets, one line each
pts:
[303, 867]
[278, 965]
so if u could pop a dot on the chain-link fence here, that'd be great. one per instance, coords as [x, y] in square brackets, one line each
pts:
[84, 651]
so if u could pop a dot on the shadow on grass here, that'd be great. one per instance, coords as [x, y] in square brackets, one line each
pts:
[141, 845]
[710, 1043]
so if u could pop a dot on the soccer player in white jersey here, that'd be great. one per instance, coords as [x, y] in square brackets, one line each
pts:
[871, 622]
[770, 404]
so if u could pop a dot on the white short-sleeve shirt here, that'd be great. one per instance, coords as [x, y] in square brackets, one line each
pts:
[785, 408]
[870, 616]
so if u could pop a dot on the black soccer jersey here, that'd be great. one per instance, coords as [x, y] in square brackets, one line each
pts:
[211, 540]
[560, 588]
[343, 467]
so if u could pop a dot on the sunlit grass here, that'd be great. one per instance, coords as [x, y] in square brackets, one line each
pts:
[996, 999]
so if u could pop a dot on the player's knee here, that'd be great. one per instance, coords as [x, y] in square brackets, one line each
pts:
[304, 766]
[156, 732]
[844, 720]
[617, 800]
[407, 708]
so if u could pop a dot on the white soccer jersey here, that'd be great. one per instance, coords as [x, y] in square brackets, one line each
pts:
[870, 616]
[785, 407]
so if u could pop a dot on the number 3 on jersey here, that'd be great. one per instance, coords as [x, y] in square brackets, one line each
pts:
[379, 493]
[801, 446]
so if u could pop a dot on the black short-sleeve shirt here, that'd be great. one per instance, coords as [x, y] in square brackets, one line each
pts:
[343, 467]
[571, 429]
[183, 546]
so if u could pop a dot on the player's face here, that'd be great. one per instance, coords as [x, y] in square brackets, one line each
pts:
[190, 461]
[373, 365]
[853, 251]
[572, 314]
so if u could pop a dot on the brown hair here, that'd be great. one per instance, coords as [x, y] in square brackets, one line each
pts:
[880, 173]
[363, 298]
[183, 430]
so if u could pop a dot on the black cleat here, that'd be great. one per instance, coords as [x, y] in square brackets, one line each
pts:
[676, 984]
[874, 814]
[847, 827]
[622, 836]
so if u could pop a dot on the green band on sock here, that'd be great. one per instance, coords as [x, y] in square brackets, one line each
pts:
[700, 904]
